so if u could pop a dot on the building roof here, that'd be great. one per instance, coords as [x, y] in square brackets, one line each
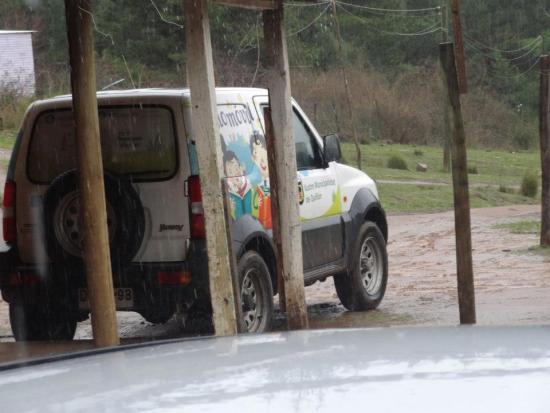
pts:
[16, 31]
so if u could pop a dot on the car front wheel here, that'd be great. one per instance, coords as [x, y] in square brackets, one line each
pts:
[363, 286]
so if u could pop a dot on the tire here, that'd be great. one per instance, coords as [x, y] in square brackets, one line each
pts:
[199, 320]
[125, 217]
[256, 293]
[364, 285]
[256, 298]
[38, 323]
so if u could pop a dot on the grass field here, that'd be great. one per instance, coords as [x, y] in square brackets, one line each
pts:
[7, 139]
[413, 191]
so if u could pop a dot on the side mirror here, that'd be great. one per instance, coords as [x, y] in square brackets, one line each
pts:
[332, 151]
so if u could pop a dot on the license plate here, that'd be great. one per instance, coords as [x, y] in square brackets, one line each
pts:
[124, 299]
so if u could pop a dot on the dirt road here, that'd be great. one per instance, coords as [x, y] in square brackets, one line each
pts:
[512, 283]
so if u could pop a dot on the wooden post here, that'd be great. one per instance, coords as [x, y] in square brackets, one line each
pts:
[241, 328]
[544, 151]
[346, 85]
[274, 185]
[90, 174]
[465, 276]
[459, 47]
[445, 107]
[278, 80]
[200, 74]
[336, 120]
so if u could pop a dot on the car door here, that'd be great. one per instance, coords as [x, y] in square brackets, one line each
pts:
[319, 193]
[319, 197]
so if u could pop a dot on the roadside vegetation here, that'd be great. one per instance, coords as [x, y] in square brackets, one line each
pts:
[7, 139]
[521, 227]
[530, 185]
[496, 180]
[526, 227]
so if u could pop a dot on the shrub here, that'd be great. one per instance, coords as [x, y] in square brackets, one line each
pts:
[530, 185]
[505, 190]
[12, 109]
[472, 170]
[524, 138]
[397, 162]
[374, 162]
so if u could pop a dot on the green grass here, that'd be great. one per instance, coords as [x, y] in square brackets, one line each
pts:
[424, 198]
[539, 250]
[495, 168]
[521, 227]
[7, 139]
[535, 250]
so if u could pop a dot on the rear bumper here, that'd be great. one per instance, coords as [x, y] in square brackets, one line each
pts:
[158, 286]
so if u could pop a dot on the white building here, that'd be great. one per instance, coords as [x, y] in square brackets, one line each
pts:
[17, 62]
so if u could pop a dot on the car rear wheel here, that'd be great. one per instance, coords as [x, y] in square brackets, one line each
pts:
[256, 300]
[40, 323]
[256, 293]
[364, 285]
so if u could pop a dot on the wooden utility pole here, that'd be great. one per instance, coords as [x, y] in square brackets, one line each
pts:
[91, 186]
[278, 80]
[446, 114]
[200, 75]
[544, 151]
[465, 274]
[459, 47]
[346, 84]
[275, 188]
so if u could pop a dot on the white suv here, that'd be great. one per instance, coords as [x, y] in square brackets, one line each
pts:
[154, 210]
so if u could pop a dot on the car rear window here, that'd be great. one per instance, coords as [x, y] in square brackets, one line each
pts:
[138, 141]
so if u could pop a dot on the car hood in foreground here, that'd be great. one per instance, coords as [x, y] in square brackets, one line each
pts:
[462, 369]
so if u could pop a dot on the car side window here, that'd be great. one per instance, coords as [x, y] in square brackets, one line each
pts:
[307, 149]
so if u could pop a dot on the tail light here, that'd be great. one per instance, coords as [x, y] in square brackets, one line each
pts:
[197, 212]
[174, 278]
[10, 230]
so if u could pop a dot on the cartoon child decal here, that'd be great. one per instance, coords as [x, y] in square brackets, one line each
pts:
[239, 186]
[261, 198]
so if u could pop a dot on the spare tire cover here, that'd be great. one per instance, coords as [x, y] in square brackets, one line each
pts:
[63, 228]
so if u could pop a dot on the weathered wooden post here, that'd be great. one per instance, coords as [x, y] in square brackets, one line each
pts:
[274, 186]
[93, 208]
[241, 327]
[460, 61]
[346, 85]
[464, 266]
[446, 115]
[278, 79]
[200, 75]
[544, 151]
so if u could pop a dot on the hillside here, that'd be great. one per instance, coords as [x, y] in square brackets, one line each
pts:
[390, 51]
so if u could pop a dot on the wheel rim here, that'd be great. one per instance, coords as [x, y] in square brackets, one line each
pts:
[251, 298]
[68, 224]
[371, 266]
